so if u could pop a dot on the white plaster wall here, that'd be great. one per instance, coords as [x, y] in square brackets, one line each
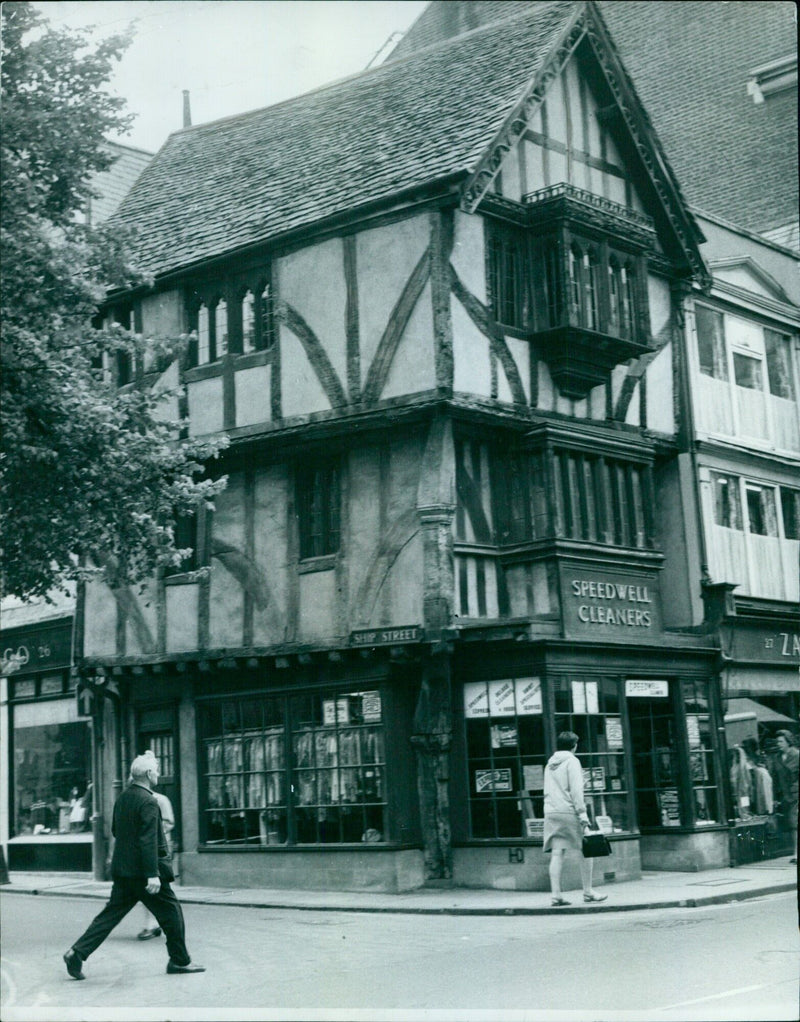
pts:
[660, 392]
[312, 281]
[317, 605]
[301, 391]
[364, 537]
[405, 580]
[467, 256]
[253, 403]
[182, 603]
[101, 621]
[471, 360]
[227, 596]
[146, 598]
[270, 545]
[205, 406]
[386, 257]
[412, 369]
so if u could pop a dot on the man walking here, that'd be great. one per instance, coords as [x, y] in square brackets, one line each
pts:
[141, 871]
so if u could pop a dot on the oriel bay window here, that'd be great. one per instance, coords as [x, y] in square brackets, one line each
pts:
[294, 769]
[571, 274]
[233, 315]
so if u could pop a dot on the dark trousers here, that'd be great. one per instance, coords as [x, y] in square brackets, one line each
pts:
[125, 893]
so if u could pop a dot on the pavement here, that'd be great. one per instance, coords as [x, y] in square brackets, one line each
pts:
[655, 890]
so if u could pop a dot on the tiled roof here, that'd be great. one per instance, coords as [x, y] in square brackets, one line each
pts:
[113, 185]
[219, 187]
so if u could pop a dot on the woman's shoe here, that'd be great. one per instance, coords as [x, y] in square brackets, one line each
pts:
[593, 896]
[558, 902]
[149, 934]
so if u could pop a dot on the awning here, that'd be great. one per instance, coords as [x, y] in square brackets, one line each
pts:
[739, 709]
[741, 681]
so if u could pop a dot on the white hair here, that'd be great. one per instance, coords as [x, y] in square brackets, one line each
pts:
[142, 765]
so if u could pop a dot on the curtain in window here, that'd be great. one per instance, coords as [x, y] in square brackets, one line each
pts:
[779, 371]
[727, 501]
[711, 343]
[214, 757]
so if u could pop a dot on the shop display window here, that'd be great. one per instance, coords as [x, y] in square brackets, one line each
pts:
[505, 757]
[591, 709]
[702, 772]
[52, 790]
[309, 769]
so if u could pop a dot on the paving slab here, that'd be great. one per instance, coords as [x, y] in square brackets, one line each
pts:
[655, 890]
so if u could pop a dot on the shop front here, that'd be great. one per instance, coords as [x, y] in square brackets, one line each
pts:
[49, 754]
[761, 701]
[285, 773]
[649, 728]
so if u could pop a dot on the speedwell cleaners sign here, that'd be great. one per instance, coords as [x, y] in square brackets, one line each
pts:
[603, 603]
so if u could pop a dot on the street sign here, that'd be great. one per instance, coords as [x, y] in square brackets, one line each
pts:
[85, 701]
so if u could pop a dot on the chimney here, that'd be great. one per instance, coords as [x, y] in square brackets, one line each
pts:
[187, 111]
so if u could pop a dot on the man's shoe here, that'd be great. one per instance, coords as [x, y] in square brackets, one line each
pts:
[73, 962]
[172, 968]
[149, 934]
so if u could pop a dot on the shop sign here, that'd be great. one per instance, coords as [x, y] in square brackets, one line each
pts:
[594, 778]
[610, 603]
[584, 697]
[333, 709]
[493, 780]
[37, 650]
[647, 688]
[502, 698]
[614, 733]
[774, 647]
[386, 636]
[504, 736]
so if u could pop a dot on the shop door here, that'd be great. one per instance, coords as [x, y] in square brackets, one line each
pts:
[656, 759]
[158, 732]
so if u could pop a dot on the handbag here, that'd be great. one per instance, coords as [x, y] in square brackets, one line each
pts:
[595, 844]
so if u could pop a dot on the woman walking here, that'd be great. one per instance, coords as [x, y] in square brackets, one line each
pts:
[565, 816]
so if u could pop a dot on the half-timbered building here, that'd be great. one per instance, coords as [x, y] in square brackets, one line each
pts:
[438, 310]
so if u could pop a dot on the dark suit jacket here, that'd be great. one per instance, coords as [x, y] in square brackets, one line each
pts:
[140, 849]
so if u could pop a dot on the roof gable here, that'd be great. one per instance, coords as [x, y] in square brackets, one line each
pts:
[586, 33]
[744, 272]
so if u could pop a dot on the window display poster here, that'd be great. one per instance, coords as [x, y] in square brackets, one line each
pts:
[371, 706]
[594, 778]
[533, 776]
[669, 807]
[328, 711]
[614, 732]
[501, 698]
[529, 695]
[492, 780]
[476, 699]
[693, 730]
[504, 736]
[584, 697]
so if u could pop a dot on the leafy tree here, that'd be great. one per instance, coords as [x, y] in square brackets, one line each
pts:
[89, 474]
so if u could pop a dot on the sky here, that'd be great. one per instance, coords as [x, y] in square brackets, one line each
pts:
[232, 55]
